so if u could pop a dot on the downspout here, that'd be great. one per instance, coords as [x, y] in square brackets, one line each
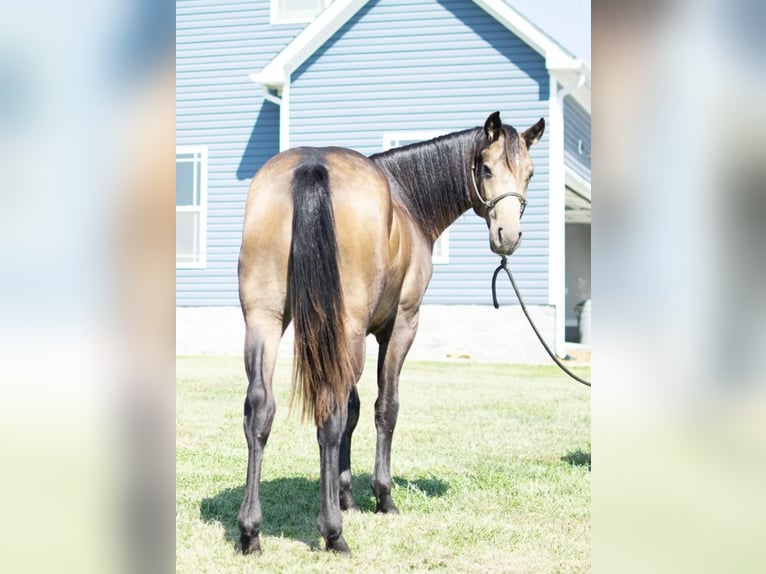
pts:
[283, 101]
[557, 230]
[284, 118]
[269, 97]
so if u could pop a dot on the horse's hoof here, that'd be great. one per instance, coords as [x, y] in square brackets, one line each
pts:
[347, 503]
[250, 545]
[386, 506]
[338, 545]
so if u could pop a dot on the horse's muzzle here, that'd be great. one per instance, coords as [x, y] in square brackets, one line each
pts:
[503, 243]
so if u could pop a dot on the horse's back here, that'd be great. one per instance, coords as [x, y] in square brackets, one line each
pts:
[362, 211]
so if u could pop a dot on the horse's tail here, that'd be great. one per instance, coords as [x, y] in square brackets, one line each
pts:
[322, 369]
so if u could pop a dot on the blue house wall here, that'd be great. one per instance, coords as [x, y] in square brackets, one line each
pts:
[428, 65]
[396, 66]
[218, 43]
[576, 138]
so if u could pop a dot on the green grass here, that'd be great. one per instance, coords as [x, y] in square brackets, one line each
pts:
[491, 467]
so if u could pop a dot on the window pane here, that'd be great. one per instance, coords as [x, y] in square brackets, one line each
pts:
[441, 248]
[299, 10]
[300, 6]
[187, 237]
[185, 182]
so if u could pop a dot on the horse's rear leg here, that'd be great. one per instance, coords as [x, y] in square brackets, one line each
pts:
[334, 437]
[346, 497]
[261, 345]
[330, 521]
[394, 345]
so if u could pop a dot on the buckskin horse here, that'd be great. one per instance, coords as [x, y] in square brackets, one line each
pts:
[341, 245]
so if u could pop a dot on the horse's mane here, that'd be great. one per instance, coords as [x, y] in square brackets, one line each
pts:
[432, 178]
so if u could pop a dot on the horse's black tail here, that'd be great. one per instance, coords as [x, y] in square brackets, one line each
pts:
[322, 367]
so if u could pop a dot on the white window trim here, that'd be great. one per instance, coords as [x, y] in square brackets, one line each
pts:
[391, 140]
[443, 257]
[276, 17]
[201, 209]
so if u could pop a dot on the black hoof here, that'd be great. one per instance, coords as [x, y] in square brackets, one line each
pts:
[347, 503]
[386, 506]
[250, 544]
[338, 545]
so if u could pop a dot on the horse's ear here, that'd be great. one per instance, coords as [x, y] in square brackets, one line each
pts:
[493, 127]
[532, 135]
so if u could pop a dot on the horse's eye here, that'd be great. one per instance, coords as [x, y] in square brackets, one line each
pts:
[485, 171]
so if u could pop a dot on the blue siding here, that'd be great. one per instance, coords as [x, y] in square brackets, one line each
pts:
[396, 66]
[576, 129]
[218, 43]
[404, 65]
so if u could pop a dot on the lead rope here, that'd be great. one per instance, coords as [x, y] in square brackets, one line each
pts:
[504, 266]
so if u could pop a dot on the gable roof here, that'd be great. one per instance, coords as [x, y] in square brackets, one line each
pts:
[567, 69]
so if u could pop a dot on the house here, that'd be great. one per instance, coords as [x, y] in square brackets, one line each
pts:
[259, 76]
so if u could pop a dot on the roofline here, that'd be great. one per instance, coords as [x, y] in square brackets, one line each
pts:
[277, 72]
[526, 30]
[579, 184]
[579, 88]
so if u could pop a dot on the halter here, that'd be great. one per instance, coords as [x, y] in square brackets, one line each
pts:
[493, 202]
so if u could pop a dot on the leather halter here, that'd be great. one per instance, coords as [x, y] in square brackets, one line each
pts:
[493, 202]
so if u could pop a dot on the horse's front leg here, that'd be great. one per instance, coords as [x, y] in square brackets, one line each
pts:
[394, 345]
[329, 436]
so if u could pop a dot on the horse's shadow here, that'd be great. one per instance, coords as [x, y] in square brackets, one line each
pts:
[290, 505]
[577, 458]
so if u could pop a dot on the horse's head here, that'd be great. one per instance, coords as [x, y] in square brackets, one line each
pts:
[500, 175]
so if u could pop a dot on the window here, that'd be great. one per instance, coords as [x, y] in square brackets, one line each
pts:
[296, 11]
[191, 206]
[440, 255]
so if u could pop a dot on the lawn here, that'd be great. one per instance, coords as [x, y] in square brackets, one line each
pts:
[491, 467]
